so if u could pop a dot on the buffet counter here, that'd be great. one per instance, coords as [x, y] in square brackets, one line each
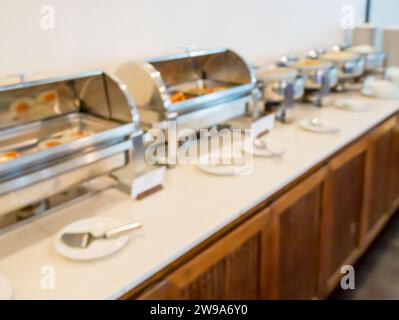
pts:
[191, 208]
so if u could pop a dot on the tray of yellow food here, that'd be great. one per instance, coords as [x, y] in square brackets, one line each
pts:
[8, 156]
[311, 64]
[26, 108]
[339, 56]
[39, 141]
[183, 92]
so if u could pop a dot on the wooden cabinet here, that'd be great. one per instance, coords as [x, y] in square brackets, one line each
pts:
[235, 267]
[295, 249]
[296, 240]
[159, 291]
[394, 168]
[377, 180]
[343, 196]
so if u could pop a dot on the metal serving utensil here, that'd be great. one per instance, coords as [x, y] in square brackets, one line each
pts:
[261, 144]
[83, 239]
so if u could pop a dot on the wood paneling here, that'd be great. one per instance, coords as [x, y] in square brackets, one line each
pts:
[343, 196]
[295, 249]
[394, 168]
[159, 291]
[377, 179]
[296, 240]
[235, 267]
[242, 282]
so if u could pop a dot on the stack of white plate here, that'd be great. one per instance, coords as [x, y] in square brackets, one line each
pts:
[381, 89]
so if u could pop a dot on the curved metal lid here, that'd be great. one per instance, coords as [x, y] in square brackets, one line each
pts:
[93, 92]
[154, 82]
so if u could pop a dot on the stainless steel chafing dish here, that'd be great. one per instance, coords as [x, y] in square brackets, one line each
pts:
[198, 89]
[374, 59]
[350, 65]
[274, 81]
[320, 76]
[58, 133]
[280, 87]
[314, 70]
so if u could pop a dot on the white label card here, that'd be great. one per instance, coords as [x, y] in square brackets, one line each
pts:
[261, 125]
[148, 181]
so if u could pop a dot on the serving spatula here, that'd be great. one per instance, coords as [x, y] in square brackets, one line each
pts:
[83, 239]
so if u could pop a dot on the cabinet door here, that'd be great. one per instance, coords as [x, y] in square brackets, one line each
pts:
[343, 196]
[235, 267]
[394, 192]
[377, 180]
[296, 240]
[159, 291]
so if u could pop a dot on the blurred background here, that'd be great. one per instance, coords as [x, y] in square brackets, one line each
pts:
[101, 33]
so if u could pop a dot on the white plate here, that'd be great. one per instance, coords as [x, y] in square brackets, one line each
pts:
[325, 127]
[225, 170]
[98, 248]
[352, 105]
[273, 148]
[43, 144]
[6, 289]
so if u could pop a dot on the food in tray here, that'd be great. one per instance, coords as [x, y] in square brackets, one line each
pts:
[205, 90]
[49, 97]
[7, 156]
[194, 92]
[40, 110]
[27, 108]
[63, 137]
[339, 56]
[74, 134]
[309, 63]
[21, 107]
[50, 143]
[178, 97]
[41, 106]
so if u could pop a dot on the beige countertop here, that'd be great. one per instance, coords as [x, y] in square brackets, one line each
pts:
[192, 206]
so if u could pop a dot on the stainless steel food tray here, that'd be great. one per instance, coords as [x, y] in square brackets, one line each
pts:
[42, 184]
[210, 99]
[25, 139]
[152, 82]
[200, 84]
[92, 102]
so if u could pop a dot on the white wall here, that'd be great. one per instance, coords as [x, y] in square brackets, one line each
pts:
[102, 33]
[384, 12]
